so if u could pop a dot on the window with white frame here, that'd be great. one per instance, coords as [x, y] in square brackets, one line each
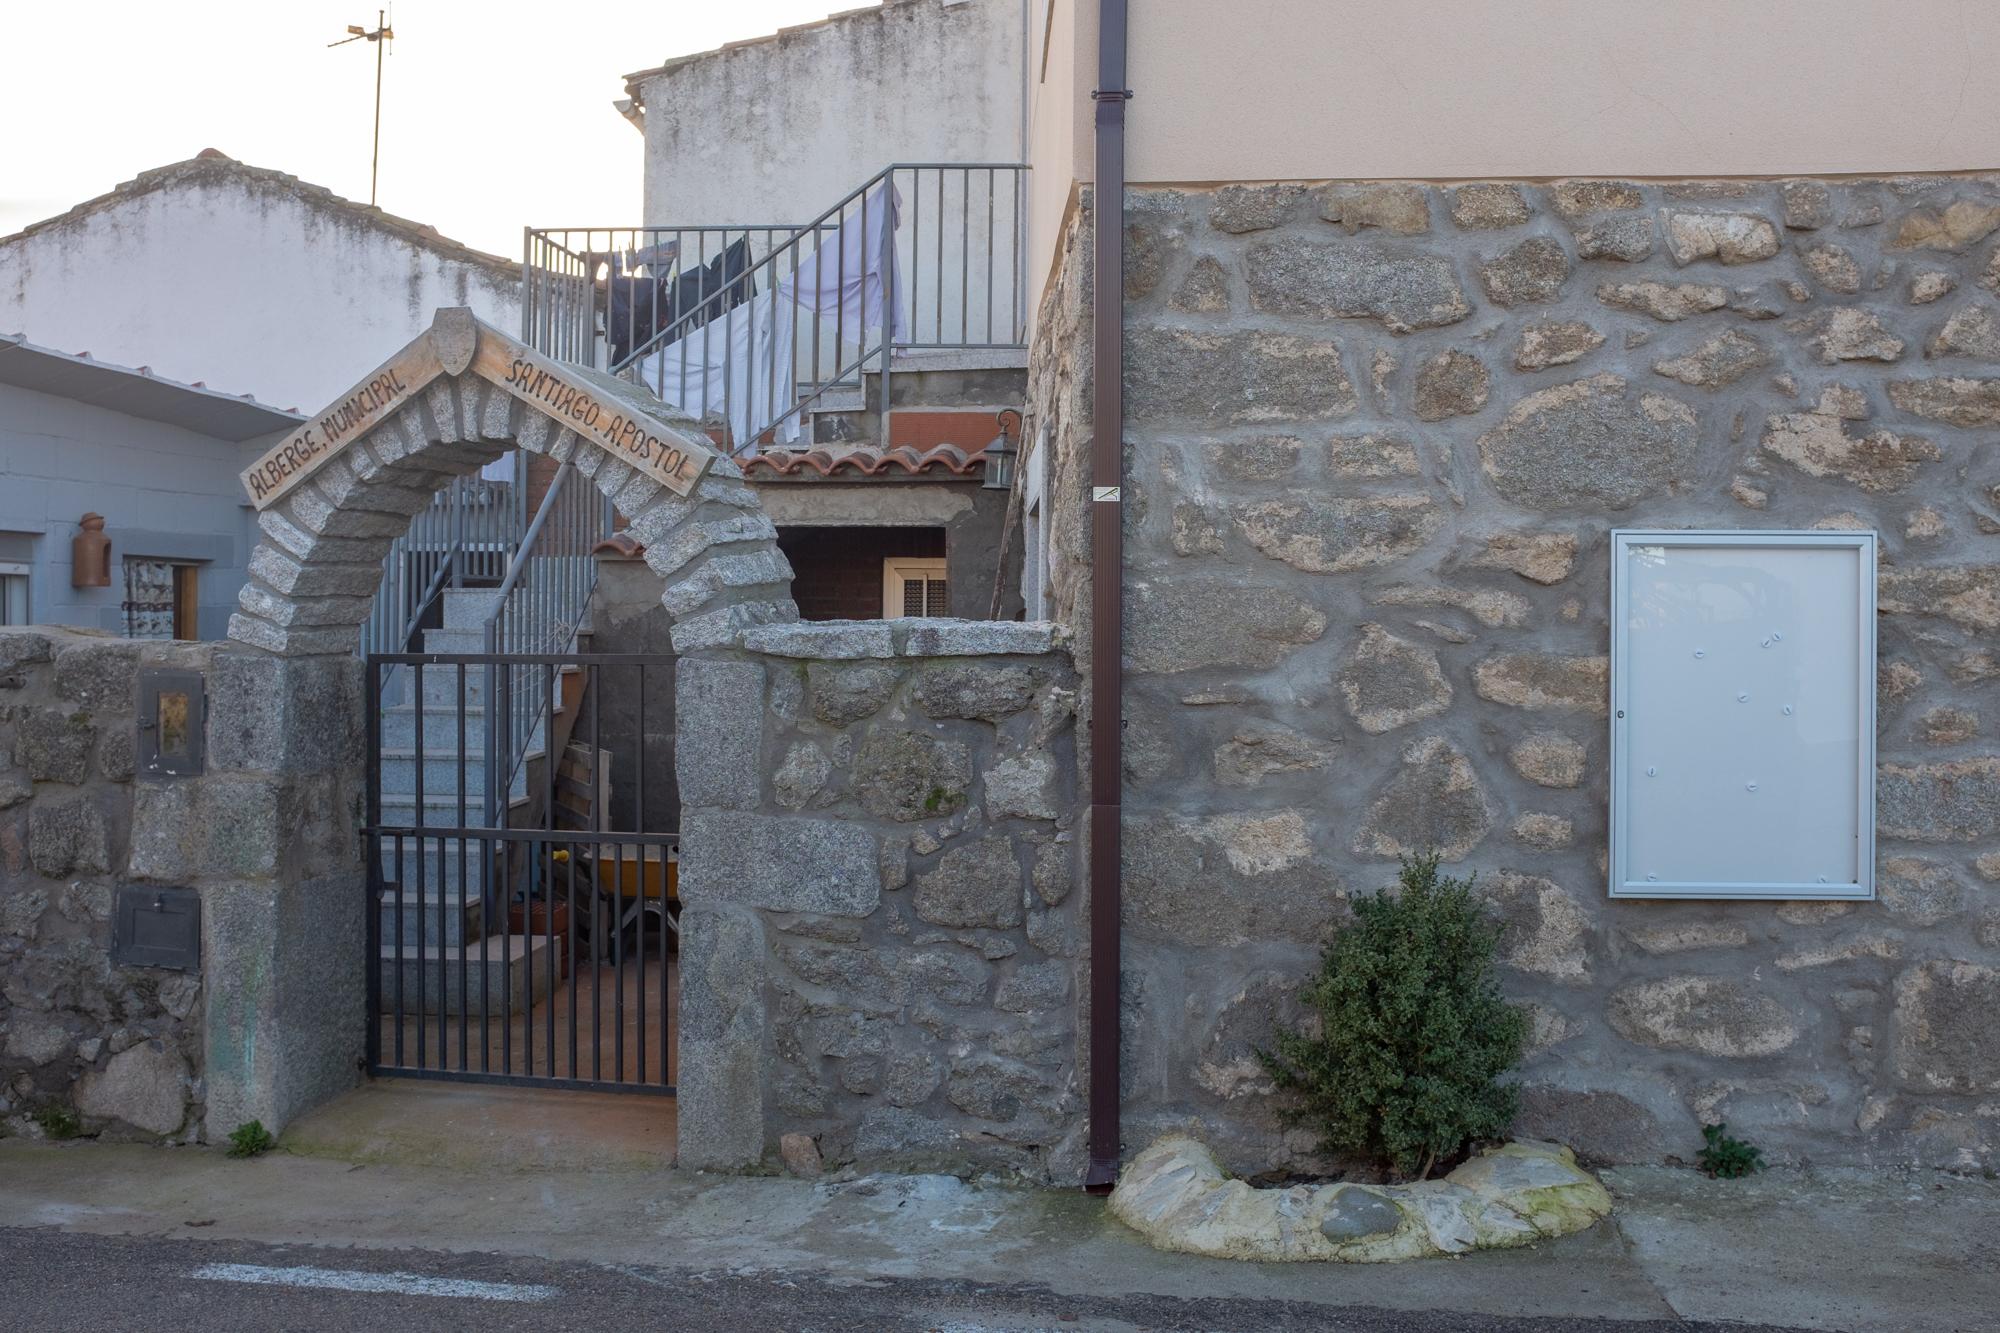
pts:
[914, 587]
[13, 593]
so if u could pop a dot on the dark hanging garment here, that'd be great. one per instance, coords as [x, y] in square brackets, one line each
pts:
[639, 310]
[711, 291]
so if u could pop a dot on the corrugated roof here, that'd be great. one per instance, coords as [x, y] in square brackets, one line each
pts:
[211, 166]
[865, 460]
[138, 392]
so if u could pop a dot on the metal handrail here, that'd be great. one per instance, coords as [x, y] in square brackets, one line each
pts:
[538, 608]
[953, 276]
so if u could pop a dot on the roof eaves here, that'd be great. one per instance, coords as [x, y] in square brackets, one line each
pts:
[140, 393]
[210, 165]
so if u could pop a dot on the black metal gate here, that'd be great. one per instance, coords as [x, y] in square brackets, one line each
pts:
[522, 917]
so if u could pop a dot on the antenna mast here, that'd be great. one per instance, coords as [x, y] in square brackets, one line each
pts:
[382, 36]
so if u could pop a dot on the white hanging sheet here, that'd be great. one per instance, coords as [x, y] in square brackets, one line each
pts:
[844, 279]
[742, 364]
[739, 365]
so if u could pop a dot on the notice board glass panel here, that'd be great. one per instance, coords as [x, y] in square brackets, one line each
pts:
[1743, 714]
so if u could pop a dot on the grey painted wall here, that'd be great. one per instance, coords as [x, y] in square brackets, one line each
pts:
[164, 492]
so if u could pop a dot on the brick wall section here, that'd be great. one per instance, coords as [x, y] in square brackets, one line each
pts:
[878, 892]
[837, 572]
[1379, 436]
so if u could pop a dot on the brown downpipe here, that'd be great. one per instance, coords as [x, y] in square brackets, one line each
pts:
[1107, 588]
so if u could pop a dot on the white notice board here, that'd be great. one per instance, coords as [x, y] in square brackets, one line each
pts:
[1742, 714]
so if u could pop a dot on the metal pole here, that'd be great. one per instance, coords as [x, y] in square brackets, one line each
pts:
[1106, 592]
[381, 46]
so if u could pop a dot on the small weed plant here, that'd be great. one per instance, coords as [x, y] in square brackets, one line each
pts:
[251, 1139]
[1413, 1034]
[58, 1122]
[1727, 1158]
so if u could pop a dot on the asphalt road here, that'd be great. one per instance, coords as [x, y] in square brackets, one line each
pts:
[52, 1281]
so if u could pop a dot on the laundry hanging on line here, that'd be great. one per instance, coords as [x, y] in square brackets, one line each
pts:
[744, 369]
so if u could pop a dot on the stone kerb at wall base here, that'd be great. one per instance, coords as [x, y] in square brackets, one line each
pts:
[1379, 434]
[880, 937]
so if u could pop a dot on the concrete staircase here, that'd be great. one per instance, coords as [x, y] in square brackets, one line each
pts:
[440, 915]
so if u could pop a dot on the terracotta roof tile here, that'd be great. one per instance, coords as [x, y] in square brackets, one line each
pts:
[865, 460]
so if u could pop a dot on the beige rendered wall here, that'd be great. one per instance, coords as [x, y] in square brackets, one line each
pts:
[1457, 89]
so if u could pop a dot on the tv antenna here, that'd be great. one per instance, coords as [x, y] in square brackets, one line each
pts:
[382, 36]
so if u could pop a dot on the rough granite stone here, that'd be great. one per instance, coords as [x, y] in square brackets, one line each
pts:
[1259, 750]
[1588, 445]
[1533, 271]
[1958, 801]
[973, 886]
[782, 863]
[1833, 267]
[1332, 536]
[1548, 759]
[1540, 557]
[1389, 682]
[1434, 802]
[1962, 223]
[844, 694]
[973, 690]
[1967, 595]
[144, 1086]
[1943, 1027]
[1555, 344]
[1545, 681]
[67, 835]
[1244, 208]
[1972, 331]
[1547, 931]
[1483, 207]
[55, 746]
[1574, 199]
[1850, 334]
[1667, 302]
[1820, 445]
[1732, 238]
[1808, 205]
[905, 775]
[1952, 400]
[1239, 375]
[1626, 239]
[1722, 360]
[1401, 209]
[1405, 291]
[1716, 1016]
[1451, 384]
[1185, 625]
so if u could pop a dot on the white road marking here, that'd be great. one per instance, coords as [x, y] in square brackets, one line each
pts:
[404, 1284]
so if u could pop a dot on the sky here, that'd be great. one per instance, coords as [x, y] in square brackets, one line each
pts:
[496, 114]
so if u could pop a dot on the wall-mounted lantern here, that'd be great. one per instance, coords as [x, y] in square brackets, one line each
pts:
[1000, 454]
[90, 554]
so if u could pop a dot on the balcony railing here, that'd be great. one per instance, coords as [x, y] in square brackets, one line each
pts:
[750, 327]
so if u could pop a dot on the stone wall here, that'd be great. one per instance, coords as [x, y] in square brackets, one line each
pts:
[880, 941]
[1378, 435]
[266, 835]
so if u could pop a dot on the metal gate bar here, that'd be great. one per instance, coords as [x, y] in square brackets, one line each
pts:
[507, 865]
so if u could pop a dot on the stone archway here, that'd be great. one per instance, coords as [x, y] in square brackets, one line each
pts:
[333, 496]
[331, 499]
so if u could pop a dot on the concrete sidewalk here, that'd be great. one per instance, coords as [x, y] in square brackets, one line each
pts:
[1821, 1250]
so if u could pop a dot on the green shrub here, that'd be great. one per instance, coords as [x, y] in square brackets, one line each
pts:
[250, 1139]
[1727, 1158]
[1413, 1034]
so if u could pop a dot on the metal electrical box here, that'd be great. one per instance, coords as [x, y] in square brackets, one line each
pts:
[1743, 714]
[173, 721]
[157, 928]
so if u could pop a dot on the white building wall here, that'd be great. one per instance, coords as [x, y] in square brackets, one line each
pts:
[780, 128]
[244, 279]
[165, 493]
